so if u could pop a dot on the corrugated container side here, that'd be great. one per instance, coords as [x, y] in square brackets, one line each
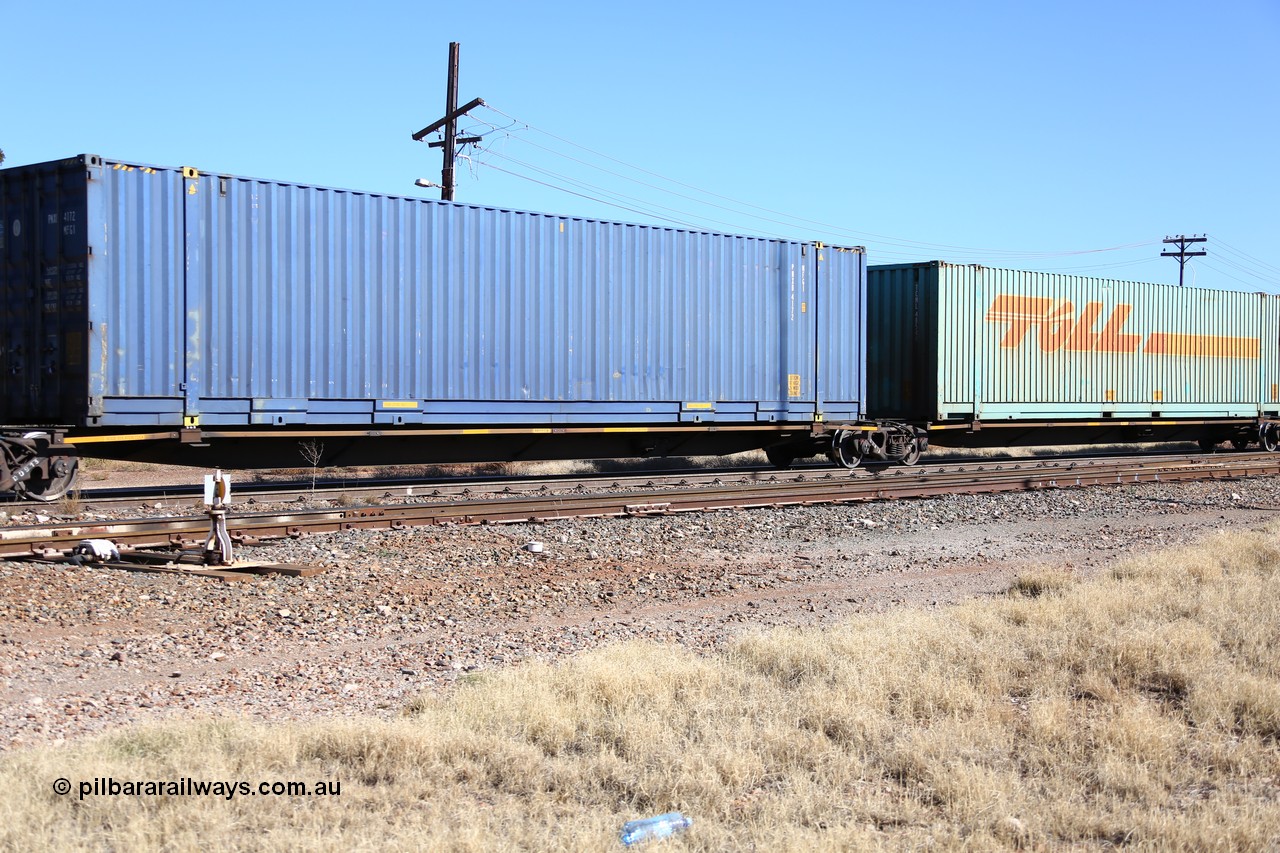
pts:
[1269, 378]
[145, 295]
[305, 293]
[136, 276]
[1018, 345]
[840, 309]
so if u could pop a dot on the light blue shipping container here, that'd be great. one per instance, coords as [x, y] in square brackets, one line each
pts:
[142, 295]
[966, 342]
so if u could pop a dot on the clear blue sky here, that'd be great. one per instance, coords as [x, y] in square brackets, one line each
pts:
[1006, 133]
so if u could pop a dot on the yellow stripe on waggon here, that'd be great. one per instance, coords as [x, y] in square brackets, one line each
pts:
[98, 439]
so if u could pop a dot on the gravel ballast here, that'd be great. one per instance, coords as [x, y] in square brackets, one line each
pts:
[85, 649]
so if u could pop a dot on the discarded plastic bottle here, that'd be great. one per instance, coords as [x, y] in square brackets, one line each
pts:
[635, 831]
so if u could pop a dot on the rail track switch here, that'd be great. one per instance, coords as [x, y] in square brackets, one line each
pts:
[217, 496]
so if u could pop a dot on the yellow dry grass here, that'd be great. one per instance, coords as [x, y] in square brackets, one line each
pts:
[1138, 710]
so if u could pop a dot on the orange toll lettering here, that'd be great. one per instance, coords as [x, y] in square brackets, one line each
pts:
[1059, 329]
[1084, 338]
[1111, 339]
[1056, 327]
[1020, 312]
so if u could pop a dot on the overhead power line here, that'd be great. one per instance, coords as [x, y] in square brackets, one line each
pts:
[1247, 259]
[512, 129]
[638, 201]
[788, 220]
[580, 195]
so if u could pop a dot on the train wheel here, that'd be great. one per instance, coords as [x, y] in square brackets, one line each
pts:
[1239, 443]
[912, 456]
[1208, 445]
[56, 485]
[1269, 441]
[779, 457]
[846, 449]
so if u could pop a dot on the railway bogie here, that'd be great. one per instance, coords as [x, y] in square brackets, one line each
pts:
[849, 445]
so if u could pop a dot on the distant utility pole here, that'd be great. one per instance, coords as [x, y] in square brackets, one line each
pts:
[1182, 254]
[450, 124]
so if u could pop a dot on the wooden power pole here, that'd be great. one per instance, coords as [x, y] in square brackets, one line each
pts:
[450, 124]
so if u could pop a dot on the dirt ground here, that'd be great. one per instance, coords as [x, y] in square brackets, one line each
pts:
[395, 613]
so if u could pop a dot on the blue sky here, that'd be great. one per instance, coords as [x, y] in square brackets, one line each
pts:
[1019, 134]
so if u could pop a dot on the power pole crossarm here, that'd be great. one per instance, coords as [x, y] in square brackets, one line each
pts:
[1182, 241]
[453, 116]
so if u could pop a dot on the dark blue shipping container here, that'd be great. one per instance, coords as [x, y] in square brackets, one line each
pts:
[147, 296]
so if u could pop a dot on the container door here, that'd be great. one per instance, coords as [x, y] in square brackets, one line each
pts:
[43, 254]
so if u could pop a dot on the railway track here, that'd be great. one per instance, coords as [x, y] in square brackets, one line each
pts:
[398, 488]
[626, 497]
[438, 488]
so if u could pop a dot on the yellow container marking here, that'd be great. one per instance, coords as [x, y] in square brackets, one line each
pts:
[793, 384]
[399, 404]
[699, 405]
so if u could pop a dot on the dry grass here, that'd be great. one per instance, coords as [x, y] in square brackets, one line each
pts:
[94, 467]
[71, 503]
[1139, 710]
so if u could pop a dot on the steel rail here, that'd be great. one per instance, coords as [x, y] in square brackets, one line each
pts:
[884, 485]
[417, 488]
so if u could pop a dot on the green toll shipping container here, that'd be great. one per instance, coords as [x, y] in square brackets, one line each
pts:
[952, 344]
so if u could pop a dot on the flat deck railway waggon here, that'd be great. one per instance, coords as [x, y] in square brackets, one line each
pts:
[188, 317]
[180, 316]
[995, 357]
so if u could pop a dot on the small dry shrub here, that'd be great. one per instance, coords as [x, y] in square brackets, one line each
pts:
[71, 503]
[1043, 582]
